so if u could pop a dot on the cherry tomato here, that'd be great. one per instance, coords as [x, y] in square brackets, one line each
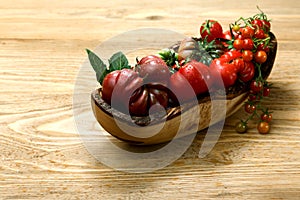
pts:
[266, 92]
[241, 127]
[260, 56]
[256, 86]
[257, 23]
[248, 72]
[266, 26]
[238, 44]
[266, 117]
[263, 127]
[249, 108]
[236, 28]
[247, 55]
[248, 44]
[260, 34]
[263, 47]
[253, 97]
[211, 30]
[247, 32]
[193, 73]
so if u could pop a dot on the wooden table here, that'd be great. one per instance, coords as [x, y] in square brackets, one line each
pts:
[42, 47]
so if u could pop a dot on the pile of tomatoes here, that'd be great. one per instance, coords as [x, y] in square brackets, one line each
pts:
[217, 59]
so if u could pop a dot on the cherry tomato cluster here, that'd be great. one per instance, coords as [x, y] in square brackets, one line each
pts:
[259, 89]
[217, 59]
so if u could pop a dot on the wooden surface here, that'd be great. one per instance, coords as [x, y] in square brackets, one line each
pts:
[42, 156]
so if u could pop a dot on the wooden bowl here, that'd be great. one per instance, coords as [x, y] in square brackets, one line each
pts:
[111, 120]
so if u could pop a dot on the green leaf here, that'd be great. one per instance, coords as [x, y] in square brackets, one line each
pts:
[118, 61]
[98, 65]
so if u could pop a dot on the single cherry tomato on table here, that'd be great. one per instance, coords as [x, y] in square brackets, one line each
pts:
[263, 127]
[241, 127]
[211, 30]
[266, 91]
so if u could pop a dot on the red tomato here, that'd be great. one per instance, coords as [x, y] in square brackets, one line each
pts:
[266, 117]
[211, 30]
[193, 74]
[247, 55]
[260, 34]
[153, 70]
[248, 72]
[247, 32]
[257, 23]
[249, 108]
[266, 26]
[260, 56]
[256, 86]
[123, 82]
[262, 47]
[223, 73]
[248, 44]
[238, 44]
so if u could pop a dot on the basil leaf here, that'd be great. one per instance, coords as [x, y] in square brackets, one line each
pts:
[118, 61]
[98, 66]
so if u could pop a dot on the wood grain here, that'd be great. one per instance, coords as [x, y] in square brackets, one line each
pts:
[42, 156]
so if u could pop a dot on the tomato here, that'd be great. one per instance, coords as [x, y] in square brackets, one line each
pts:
[266, 26]
[187, 48]
[147, 96]
[211, 30]
[227, 35]
[247, 55]
[260, 56]
[263, 47]
[236, 28]
[247, 32]
[266, 117]
[241, 127]
[256, 86]
[248, 44]
[248, 72]
[263, 127]
[260, 34]
[250, 108]
[239, 64]
[231, 55]
[266, 92]
[257, 23]
[238, 44]
[253, 97]
[151, 59]
[193, 74]
[154, 73]
[123, 82]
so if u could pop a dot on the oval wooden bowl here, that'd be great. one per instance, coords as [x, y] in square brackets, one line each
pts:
[169, 123]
